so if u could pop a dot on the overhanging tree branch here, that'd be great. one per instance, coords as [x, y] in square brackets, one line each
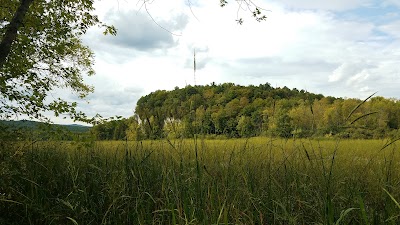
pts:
[12, 28]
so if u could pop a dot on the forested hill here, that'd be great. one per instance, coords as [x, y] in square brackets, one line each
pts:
[243, 111]
[33, 130]
[33, 125]
[227, 109]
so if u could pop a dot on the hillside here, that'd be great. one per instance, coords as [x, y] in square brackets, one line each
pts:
[243, 111]
[33, 125]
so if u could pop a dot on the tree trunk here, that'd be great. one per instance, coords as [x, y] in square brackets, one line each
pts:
[11, 30]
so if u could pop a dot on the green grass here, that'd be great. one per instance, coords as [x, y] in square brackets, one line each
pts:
[242, 181]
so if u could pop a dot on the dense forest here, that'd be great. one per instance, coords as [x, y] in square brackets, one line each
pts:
[229, 110]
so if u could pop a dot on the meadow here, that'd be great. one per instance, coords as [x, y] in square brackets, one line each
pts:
[197, 181]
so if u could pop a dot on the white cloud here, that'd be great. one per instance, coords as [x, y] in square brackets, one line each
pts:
[303, 44]
[392, 2]
[136, 32]
[345, 70]
[350, 72]
[391, 29]
[337, 5]
[358, 78]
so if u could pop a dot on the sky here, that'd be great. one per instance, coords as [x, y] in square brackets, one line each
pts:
[340, 48]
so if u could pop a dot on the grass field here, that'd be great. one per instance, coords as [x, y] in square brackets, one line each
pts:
[196, 181]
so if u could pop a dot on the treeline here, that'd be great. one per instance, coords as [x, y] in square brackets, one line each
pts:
[41, 131]
[112, 129]
[243, 111]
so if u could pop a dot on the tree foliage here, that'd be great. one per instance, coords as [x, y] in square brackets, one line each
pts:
[239, 111]
[118, 129]
[224, 109]
[244, 111]
[42, 52]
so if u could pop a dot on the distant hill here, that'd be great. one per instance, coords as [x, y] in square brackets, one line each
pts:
[27, 124]
[245, 111]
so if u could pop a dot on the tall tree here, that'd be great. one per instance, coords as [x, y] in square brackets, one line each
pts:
[41, 51]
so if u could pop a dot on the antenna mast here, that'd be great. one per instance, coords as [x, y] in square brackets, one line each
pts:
[194, 66]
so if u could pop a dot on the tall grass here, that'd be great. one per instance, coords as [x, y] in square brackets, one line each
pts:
[242, 181]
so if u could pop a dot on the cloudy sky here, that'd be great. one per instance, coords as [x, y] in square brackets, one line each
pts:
[341, 48]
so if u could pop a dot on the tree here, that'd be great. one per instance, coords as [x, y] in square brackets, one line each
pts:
[302, 118]
[41, 50]
[245, 126]
[284, 128]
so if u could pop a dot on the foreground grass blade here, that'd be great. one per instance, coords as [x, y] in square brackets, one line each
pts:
[72, 220]
[363, 210]
[358, 106]
[393, 199]
[343, 214]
